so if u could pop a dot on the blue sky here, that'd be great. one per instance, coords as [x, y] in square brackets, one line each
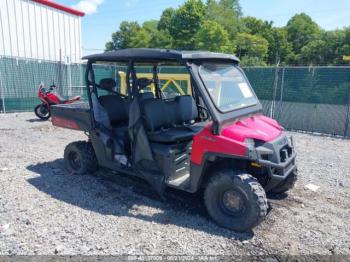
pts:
[98, 26]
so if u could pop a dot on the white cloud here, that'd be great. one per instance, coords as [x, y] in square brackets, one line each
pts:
[88, 6]
[130, 3]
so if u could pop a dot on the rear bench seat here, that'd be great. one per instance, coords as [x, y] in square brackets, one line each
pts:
[170, 121]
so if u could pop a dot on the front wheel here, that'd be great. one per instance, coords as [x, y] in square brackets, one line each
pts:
[42, 111]
[235, 200]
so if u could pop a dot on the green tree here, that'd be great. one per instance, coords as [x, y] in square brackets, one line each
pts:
[166, 19]
[344, 48]
[328, 49]
[313, 53]
[185, 23]
[301, 30]
[109, 46]
[158, 38]
[219, 26]
[213, 37]
[163, 27]
[227, 13]
[130, 34]
[335, 41]
[250, 46]
[256, 26]
[279, 47]
[252, 61]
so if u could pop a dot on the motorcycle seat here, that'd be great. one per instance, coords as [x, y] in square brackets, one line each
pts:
[74, 98]
[63, 100]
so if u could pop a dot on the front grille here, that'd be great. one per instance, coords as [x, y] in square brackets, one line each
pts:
[265, 157]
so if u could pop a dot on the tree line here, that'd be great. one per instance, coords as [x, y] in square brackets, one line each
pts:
[219, 26]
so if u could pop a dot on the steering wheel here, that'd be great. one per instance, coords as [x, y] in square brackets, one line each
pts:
[144, 82]
[203, 113]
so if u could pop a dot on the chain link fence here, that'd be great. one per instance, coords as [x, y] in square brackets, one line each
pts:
[312, 99]
[20, 79]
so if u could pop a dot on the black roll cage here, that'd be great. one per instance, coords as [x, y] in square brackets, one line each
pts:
[220, 119]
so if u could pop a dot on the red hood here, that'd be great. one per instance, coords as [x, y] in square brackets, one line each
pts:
[257, 127]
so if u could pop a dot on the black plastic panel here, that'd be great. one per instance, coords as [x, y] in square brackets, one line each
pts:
[73, 116]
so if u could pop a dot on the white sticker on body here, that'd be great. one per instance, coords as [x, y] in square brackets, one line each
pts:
[247, 93]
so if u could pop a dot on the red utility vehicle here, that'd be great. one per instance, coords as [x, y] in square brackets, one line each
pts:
[49, 98]
[214, 138]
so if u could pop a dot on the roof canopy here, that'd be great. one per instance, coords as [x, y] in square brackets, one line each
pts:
[149, 54]
[59, 7]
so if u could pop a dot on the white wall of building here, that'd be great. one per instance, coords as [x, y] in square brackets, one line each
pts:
[32, 30]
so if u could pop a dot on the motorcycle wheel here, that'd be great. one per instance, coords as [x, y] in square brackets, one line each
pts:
[42, 111]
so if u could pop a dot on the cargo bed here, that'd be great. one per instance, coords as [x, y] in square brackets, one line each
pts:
[73, 116]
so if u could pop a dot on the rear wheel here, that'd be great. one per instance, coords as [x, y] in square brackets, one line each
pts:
[80, 158]
[287, 184]
[235, 200]
[42, 111]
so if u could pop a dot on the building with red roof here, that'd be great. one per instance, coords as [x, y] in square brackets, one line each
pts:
[40, 29]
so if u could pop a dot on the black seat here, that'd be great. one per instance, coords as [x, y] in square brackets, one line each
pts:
[172, 135]
[115, 105]
[170, 121]
[146, 95]
[117, 110]
[187, 110]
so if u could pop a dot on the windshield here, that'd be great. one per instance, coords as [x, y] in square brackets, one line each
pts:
[227, 86]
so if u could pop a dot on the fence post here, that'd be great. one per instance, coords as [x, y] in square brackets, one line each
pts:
[274, 94]
[60, 75]
[280, 101]
[2, 93]
[69, 76]
[2, 96]
[346, 131]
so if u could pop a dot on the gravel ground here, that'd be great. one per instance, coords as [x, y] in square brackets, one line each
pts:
[45, 210]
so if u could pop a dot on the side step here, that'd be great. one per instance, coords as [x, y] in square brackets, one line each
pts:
[181, 182]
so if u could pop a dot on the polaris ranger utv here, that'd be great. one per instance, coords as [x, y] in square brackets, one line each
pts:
[213, 137]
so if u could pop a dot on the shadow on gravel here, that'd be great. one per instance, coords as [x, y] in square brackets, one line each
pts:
[119, 195]
[35, 120]
[280, 196]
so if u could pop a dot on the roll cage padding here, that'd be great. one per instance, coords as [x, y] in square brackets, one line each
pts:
[140, 146]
